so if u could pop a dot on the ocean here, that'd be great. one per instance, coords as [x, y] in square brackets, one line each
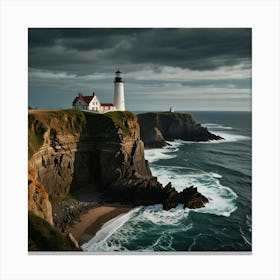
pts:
[221, 170]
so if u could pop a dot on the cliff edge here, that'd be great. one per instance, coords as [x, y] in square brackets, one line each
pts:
[159, 127]
[70, 148]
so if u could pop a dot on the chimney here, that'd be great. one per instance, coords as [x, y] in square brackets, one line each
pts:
[80, 94]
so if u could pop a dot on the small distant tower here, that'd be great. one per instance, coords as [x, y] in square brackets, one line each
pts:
[119, 92]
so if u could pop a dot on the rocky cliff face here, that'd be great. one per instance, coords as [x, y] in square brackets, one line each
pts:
[157, 128]
[70, 149]
[38, 198]
[52, 144]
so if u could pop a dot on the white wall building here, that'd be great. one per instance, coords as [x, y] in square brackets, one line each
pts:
[92, 103]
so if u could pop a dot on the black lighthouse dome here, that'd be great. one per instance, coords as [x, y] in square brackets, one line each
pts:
[118, 78]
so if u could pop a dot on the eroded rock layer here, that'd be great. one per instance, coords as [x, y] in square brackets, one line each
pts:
[38, 198]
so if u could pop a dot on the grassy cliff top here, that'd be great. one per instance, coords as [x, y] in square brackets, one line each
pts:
[73, 122]
[153, 117]
[98, 123]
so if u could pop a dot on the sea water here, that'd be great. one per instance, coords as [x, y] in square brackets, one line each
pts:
[221, 170]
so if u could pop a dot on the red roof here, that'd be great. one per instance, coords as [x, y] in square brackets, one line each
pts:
[106, 104]
[118, 71]
[86, 99]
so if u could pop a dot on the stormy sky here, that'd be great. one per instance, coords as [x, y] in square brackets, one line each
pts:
[186, 68]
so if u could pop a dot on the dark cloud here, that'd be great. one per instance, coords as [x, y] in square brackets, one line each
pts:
[199, 68]
[197, 49]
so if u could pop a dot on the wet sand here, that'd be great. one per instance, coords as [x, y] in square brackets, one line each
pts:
[93, 220]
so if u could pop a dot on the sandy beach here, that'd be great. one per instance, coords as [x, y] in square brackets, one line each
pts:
[93, 220]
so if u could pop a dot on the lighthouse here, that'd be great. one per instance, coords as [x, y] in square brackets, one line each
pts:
[119, 92]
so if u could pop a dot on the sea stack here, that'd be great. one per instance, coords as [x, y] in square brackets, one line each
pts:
[119, 92]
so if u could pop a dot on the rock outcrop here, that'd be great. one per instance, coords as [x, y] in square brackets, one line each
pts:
[158, 128]
[152, 192]
[189, 197]
[38, 198]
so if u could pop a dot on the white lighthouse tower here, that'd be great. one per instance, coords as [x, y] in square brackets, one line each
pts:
[119, 92]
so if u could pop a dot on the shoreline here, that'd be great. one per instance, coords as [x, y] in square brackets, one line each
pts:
[92, 221]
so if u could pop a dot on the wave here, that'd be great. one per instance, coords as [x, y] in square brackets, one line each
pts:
[142, 223]
[216, 175]
[99, 241]
[166, 152]
[156, 215]
[216, 126]
[228, 137]
[222, 199]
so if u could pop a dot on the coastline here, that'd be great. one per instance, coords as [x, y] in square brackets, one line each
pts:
[92, 221]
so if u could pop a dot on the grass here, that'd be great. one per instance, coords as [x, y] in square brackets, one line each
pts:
[43, 237]
[99, 123]
[56, 121]
[120, 119]
[73, 122]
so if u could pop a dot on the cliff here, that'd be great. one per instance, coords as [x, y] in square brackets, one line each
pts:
[71, 148]
[157, 128]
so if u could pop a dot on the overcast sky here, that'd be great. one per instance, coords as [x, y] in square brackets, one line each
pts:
[187, 68]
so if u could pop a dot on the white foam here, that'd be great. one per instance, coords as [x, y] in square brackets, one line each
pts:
[176, 143]
[222, 198]
[167, 152]
[216, 175]
[216, 126]
[154, 155]
[158, 216]
[228, 137]
[164, 242]
[98, 242]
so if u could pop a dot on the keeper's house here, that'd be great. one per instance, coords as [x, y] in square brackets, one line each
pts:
[91, 103]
